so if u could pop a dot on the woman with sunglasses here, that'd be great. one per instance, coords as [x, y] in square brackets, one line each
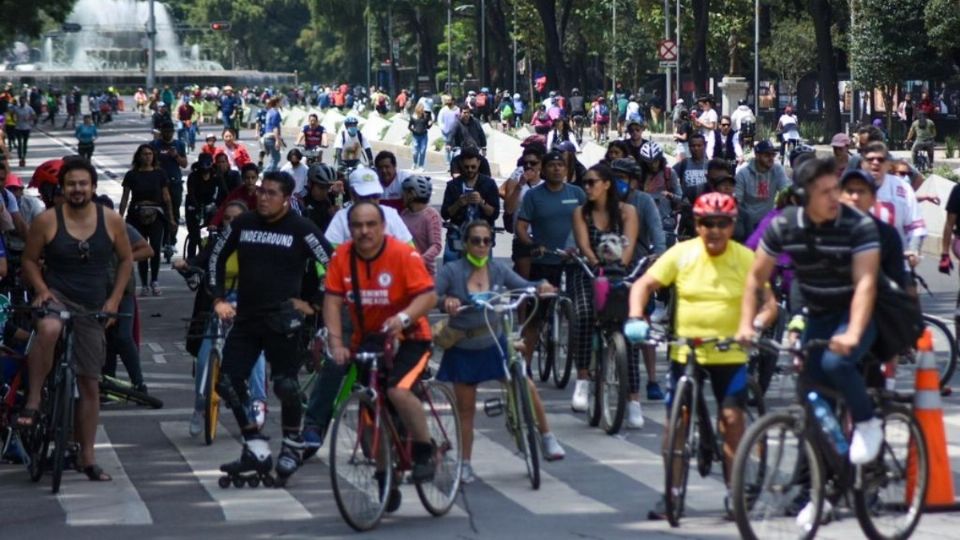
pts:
[512, 192]
[477, 358]
[602, 214]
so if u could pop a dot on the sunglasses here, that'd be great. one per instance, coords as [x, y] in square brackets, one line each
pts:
[724, 125]
[718, 223]
[530, 164]
[875, 159]
[902, 173]
[480, 241]
[589, 182]
[83, 248]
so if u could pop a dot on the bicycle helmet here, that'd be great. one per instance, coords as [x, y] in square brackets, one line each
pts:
[351, 120]
[798, 151]
[321, 173]
[651, 151]
[715, 204]
[626, 166]
[47, 173]
[575, 92]
[421, 186]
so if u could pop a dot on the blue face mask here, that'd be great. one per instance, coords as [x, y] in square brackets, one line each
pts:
[623, 187]
[352, 131]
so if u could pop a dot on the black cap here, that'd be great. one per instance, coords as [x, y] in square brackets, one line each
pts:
[863, 176]
[204, 161]
[553, 155]
[166, 125]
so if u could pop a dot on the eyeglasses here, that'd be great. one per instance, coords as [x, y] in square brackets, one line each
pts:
[902, 173]
[875, 159]
[83, 248]
[531, 164]
[715, 223]
[589, 182]
[724, 125]
[480, 241]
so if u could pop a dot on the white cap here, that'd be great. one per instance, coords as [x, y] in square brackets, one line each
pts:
[365, 182]
[679, 101]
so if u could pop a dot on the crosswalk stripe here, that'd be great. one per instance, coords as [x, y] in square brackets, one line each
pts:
[159, 358]
[89, 503]
[505, 472]
[243, 504]
[155, 347]
[638, 463]
[138, 412]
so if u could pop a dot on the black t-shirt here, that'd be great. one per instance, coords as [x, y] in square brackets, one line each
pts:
[953, 207]
[319, 212]
[891, 253]
[202, 192]
[145, 185]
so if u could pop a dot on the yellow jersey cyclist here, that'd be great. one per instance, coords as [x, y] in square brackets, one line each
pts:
[708, 273]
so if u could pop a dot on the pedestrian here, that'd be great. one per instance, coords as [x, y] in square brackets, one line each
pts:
[447, 119]
[25, 117]
[272, 136]
[419, 126]
[86, 134]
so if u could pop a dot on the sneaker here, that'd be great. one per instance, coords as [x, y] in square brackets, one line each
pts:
[635, 418]
[581, 392]
[552, 451]
[659, 312]
[805, 517]
[424, 463]
[867, 438]
[155, 288]
[258, 414]
[196, 424]
[467, 476]
[144, 291]
[654, 392]
[659, 511]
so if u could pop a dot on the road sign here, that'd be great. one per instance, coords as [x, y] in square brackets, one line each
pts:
[671, 65]
[667, 50]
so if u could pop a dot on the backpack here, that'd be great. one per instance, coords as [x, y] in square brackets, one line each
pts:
[481, 100]
[748, 127]
[603, 114]
[506, 113]
[382, 100]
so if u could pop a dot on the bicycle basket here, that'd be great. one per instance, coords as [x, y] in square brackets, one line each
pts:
[617, 303]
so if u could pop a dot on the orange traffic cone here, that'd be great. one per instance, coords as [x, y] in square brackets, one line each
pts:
[927, 411]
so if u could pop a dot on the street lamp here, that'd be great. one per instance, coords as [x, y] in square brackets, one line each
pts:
[449, 45]
[756, 57]
[152, 53]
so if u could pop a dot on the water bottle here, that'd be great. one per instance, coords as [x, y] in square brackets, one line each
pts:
[636, 330]
[828, 423]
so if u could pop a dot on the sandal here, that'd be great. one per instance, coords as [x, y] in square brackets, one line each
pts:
[28, 418]
[95, 474]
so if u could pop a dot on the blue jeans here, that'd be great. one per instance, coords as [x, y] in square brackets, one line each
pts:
[840, 372]
[419, 150]
[226, 119]
[258, 375]
[272, 149]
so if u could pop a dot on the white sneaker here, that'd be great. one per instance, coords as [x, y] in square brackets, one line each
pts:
[467, 476]
[805, 517]
[635, 418]
[867, 438]
[196, 424]
[581, 392]
[552, 450]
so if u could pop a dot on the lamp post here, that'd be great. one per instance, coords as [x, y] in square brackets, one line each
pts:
[152, 49]
[483, 41]
[668, 97]
[449, 45]
[756, 57]
[613, 50]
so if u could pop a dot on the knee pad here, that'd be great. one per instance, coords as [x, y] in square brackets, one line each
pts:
[228, 392]
[287, 389]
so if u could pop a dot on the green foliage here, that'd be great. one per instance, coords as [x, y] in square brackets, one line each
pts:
[884, 48]
[943, 25]
[791, 52]
[812, 131]
[946, 172]
[951, 143]
[23, 20]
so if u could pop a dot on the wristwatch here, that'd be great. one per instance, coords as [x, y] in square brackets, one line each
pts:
[404, 320]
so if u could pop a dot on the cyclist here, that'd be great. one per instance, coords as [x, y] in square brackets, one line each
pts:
[468, 130]
[246, 192]
[600, 116]
[396, 292]
[364, 185]
[478, 357]
[391, 179]
[350, 146]
[725, 143]
[318, 205]
[577, 113]
[75, 276]
[923, 131]
[205, 193]
[708, 273]
[273, 245]
[313, 136]
[423, 220]
[836, 255]
[756, 185]
[296, 168]
[788, 131]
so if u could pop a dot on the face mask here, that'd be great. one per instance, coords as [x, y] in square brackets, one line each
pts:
[477, 262]
[352, 131]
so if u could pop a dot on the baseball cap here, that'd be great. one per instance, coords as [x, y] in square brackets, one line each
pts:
[204, 160]
[552, 155]
[840, 140]
[566, 146]
[13, 181]
[764, 147]
[365, 183]
[863, 176]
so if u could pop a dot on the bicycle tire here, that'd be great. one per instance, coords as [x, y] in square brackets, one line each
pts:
[211, 399]
[676, 460]
[443, 422]
[39, 436]
[756, 404]
[616, 380]
[562, 360]
[62, 421]
[527, 427]
[544, 359]
[945, 348]
[754, 468]
[352, 432]
[595, 388]
[868, 505]
[123, 392]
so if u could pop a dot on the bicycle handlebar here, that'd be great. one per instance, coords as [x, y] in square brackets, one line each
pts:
[64, 314]
[638, 269]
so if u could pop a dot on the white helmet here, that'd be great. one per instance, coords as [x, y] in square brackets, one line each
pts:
[421, 186]
[651, 151]
[351, 120]
[516, 96]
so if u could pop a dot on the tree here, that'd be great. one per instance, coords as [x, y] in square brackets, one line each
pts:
[827, 67]
[943, 29]
[789, 54]
[699, 64]
[22, 20]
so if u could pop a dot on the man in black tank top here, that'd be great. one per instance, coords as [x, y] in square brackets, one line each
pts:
[78, 241]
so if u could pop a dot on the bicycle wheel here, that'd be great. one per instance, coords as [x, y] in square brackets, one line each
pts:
[890, 501]
[542, 355]
[677, 453]
[616, 384]
[776, 472]
[361, 464]
[37, 439]
[528, 440]
[562, 332]
[944, 348]
[120, 391]
[61, 425]
[211, 399]
[439, 406]
[756, 405]
[597, 375]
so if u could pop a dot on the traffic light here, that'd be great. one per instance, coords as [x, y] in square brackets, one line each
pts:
[220, 26]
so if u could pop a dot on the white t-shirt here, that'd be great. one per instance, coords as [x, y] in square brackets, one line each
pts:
[394, 192]
[708, 117]
[897, 206]
[299, 174]
[339, 231]
[633, 111]
[789, 124]
[353, 146]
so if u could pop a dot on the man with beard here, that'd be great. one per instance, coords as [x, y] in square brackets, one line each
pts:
[74, 276]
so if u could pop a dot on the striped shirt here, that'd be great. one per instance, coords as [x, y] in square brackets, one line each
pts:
[822, 254]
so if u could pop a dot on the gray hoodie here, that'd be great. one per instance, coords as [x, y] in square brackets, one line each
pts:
[755, 193]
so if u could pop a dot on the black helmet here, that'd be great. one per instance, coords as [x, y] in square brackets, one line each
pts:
[575, 92]
[799, 150]
[321, 173]
[627, 166]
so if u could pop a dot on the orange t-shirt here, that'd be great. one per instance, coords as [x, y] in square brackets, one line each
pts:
[388, 284]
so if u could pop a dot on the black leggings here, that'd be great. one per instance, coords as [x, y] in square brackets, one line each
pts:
[154, 235]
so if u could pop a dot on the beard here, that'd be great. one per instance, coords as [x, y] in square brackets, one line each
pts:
[78, 204]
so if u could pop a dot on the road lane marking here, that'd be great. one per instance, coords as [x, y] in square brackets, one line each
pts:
[138, 412]
[155, 347]
[159, 358]
[243, 504]
[89, 503]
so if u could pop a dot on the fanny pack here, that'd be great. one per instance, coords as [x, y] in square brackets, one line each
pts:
[285, 319]
[446, 337]
[147, 214]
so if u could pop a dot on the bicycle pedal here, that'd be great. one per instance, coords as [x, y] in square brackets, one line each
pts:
[493, 407]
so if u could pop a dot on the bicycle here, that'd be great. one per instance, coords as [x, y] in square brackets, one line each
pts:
[521, 423]
[114, 389]
[552, 353]
[689, 429]
[609, 370]
[944, 343]
[54, 423]
[370, 448]
[768, 495]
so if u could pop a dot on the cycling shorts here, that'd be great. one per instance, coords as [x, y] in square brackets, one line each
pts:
[729, 383]
[409, 363]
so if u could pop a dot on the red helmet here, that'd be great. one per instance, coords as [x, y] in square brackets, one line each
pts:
[47, 173]
[715, 204]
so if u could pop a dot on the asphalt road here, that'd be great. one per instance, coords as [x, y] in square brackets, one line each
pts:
[165, 482]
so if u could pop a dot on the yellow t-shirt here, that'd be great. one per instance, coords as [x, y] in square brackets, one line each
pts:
[232, 271]
[709, 291]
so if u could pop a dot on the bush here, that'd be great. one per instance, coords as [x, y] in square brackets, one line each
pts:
[764, 133]
[952, 143]
[946, 172]
[439, 144]
[812, 132]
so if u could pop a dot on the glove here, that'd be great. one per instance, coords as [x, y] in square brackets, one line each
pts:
[636, 330]
[945, 264]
